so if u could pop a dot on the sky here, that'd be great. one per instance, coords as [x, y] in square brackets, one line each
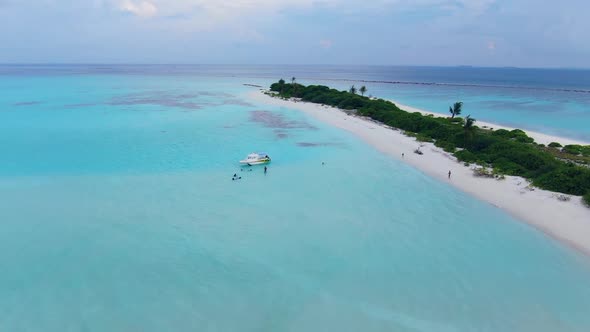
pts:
[495, 33]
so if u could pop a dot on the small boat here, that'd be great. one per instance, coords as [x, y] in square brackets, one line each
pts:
[256, 159]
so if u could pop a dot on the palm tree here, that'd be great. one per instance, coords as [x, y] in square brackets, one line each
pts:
[293, 79]
[469, 122]
[363, 90]
[352, 90]
[469, 127]
[456, 109]
[282, 85]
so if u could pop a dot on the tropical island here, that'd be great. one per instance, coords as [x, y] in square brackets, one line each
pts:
[500, 153]
[537, 178]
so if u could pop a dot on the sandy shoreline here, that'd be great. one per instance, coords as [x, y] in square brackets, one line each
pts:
[568, 221]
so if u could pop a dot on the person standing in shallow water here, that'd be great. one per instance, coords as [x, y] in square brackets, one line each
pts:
[265, 169]
[449, 174]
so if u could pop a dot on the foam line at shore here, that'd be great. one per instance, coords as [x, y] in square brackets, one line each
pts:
[567, 221]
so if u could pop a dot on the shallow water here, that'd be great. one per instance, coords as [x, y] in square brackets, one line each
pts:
[552, 101]
[118, 213]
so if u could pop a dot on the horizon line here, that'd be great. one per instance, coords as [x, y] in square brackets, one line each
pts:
[284, 64]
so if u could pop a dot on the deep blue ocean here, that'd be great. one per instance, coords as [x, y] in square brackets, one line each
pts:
[118, 212]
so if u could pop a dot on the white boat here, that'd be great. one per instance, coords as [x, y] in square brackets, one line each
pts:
[256, 159]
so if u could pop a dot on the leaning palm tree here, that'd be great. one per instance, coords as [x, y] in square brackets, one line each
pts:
[352, 90]
[456, 109]
[363, 90]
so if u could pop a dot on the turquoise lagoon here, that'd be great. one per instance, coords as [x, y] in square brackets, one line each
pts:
[118, 213]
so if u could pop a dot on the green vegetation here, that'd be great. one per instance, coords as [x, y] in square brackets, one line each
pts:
[509, 152]
[554, 145]
[586, 199]
[577, 150]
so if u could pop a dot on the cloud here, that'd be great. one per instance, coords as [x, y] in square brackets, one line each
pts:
[475, 7]
[326, 44]
[212, 8]
[199, 15]
[205, 15]
[250, 35]
[437, 32]
[139, 8]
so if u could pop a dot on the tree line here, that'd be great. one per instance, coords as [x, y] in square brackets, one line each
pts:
[510, 152]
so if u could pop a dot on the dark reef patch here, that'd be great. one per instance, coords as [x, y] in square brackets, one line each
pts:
[158, 99]
[274, 120]
[235, 101]
[316, 144]
[181, 100]
[214, 94]
[81, 105]
[523, 105]
[26, 103]
[280, 134]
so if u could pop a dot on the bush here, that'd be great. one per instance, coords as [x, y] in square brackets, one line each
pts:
[586, 199]
[525, 139]
[424, 138]
[571, 179]
[573, 149]
[507, 166]
[466, 156]
[501, 133]
[447, 146]
[554, 145]
[517, 132]
[518, 135]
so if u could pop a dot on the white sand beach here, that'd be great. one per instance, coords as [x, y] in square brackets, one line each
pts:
[567, 221]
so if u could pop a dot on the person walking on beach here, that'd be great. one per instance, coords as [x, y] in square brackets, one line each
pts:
[403, 154]
[449, 174]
